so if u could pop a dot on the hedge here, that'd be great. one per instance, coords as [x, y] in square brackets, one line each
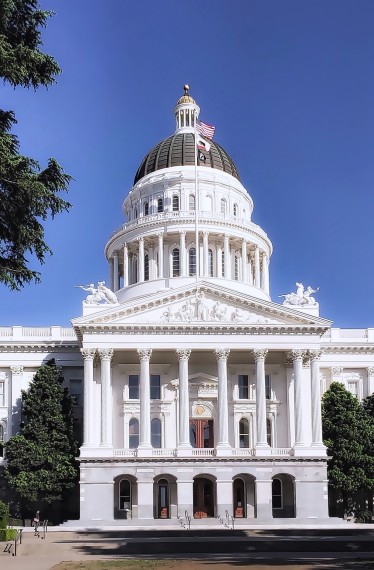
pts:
[7, 534]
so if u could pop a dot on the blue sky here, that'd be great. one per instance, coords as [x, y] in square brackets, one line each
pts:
[289, 86]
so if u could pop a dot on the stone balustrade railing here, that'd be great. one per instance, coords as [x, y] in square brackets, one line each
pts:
[53, 333]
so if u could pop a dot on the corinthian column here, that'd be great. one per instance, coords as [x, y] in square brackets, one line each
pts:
[297, 359]
[145, 400]
[226, 254]
[316, 400]
[261, 447]
[88, 412]
[205, 254]
[257, 267]
[265, 273]
[182, 252]
[106, 355]
[115, 272]
[223, 446]
[125, 265]
[184, 404]
[141, 260]
[160, 255]
[244, 261]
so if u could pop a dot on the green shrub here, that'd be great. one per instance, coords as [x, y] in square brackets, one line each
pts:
[364, 516]
[4, 515]
[7, 534]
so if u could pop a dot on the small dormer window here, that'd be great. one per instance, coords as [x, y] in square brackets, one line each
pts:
[223, 206]
[175, 203]
[146, 208]
[191, 205]
[160, 205]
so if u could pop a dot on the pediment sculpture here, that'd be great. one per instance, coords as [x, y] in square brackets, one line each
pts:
[302, 297]
[99, 295]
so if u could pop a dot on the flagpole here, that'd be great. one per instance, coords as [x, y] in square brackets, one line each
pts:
[197, 256]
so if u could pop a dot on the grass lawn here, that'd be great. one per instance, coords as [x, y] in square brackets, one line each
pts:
[119, 564]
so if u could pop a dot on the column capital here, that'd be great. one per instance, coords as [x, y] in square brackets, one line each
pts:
[295, 355]
[221, 353]
[106, 353]
[182, 232]
[205, 232]
[144, 353]
[88, 353]
[336, 370]
[140, 239]
[314, 355]
[160, 234]
[125, 245]
[183, 354]
[260, 353]
[370, 370]
[16, 369]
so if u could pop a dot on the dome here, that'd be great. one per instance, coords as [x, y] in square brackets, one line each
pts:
[179, 150]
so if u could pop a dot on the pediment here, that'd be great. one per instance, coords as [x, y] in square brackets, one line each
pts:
[200, 306]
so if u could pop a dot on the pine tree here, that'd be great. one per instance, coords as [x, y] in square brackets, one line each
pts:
[348, 433]
[41, 462]
[28, 194]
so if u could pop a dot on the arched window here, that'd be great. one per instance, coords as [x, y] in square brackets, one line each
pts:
[175, 256]
[175, 203]
[133, 433]
[135, 212]
[156, 433]
[210, 263]
[276, 491]
[146, 208]
[160, 205]
[223, 264]
[268, 432]
[124, 495]
[209, 201]
[223, 206]
[192, 262]
[146, 267]
[244, 433]
[236, 268]
[235, 210]
[191, 202]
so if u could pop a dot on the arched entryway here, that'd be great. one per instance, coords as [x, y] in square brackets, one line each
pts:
[283, 496]
[203, 497]
[125, 497]
[243, 502]
[165, 496]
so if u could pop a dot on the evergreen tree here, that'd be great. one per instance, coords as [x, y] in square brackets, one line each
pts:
[41, 462]
[348, 433]
[27, 193]
[368, 404]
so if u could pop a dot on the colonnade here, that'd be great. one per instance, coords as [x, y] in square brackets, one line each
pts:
[252, 261]
[301, 400]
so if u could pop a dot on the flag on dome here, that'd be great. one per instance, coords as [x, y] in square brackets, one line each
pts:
[205, 130]
[202, 144]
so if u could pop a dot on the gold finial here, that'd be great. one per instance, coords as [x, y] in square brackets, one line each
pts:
[186, 89]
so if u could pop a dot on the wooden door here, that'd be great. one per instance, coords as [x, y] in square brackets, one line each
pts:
[201, 433]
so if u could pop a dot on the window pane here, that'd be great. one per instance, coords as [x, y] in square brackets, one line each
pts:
[223, 206]
[268, 431]
[210, 262]
[133, 433]
[243, 433]
[192, 202]
[155, 387]
[192, 261]
[175, 262]
[76, 392]
[236, 268]
[146, 267]
[124, 495]
[175, 203]
[2, 393]
[134, 387]
[160, 205]
[146, 208]
[156, 433]
[243, 387]
[267, 387]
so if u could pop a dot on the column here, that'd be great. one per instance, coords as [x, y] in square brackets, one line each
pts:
[88, 409]
[182, 252]
[265, 273]
[115, 272]
[141, 260]
[145, 401]
[257, 282]
[261, 447]
[160, 255]
[219, 261]
[244, 261]
[111, 270]
[205, 254]
[223, 446]
[250, 270]
[13, 389]
[226, 253]
[125, 265]
[297, 359]
[106, 355]
[184, 404]
[370, 372]
[151, 262]
[316, 401]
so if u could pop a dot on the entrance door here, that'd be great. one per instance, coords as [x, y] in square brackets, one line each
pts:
[203, 498]
[163, 499]
[201, 433]
[239, 494]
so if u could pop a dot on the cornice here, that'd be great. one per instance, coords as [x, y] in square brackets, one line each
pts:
[348, 349]
[38, 347]
[213, 460]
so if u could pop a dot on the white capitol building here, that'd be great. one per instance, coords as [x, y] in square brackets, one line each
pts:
[200, 395]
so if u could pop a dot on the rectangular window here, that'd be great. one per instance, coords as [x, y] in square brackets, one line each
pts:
[76, 392]
[267, 387]
[2, 393]
[133, 387]
[155, 387]
[243, 386]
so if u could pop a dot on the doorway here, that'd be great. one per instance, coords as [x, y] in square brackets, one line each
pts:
[201, 433]
[163, 504]
[203, 498]
[239, 499]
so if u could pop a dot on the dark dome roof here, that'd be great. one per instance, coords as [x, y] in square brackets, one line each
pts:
[179, 150]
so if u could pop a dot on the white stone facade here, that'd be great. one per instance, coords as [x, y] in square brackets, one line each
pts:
[199, 393]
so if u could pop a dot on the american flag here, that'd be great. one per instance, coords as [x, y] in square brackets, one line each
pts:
[205, 130]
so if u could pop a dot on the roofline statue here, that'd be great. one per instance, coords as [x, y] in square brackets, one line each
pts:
[99, 295]
[302, 297]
